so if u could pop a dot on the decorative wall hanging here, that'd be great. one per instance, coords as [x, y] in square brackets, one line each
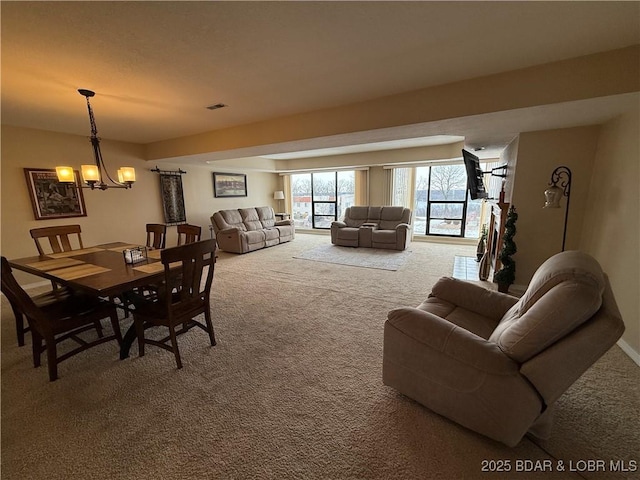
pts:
[51, 198]
[172, 195]
[229, 184]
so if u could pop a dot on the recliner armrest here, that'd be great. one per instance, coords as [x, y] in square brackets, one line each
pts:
[230, 230]
[406, 226]
[473, 297]
[338, 224]
[453, 341]
[284, 223]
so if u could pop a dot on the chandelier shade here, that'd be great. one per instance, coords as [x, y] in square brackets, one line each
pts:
[96, 175]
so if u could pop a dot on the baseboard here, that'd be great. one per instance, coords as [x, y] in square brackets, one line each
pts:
[631, 353]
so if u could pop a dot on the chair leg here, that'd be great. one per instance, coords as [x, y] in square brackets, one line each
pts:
[52, 358]
[98, 326]
[139, 323]
[115, 324]
[36, 347]
[19, 325]
[174, 344]
[207, 318]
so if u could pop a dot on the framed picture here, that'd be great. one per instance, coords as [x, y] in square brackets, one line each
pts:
[229, 184]
[52, 199]
[172, 199]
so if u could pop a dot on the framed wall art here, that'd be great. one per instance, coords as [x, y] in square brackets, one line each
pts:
[52, 199]
[229, 184]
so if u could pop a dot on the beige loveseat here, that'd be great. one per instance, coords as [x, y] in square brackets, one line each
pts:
[243, 230]
[497, 364]
[376, 227]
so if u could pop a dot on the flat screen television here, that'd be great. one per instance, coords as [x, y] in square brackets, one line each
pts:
[475, 183]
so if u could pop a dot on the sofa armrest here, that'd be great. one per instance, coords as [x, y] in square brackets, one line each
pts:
[473, 297]
[452, 341]
[229, 231]
[338, 224]
[284, 223]
[232, 240]
[404, 226]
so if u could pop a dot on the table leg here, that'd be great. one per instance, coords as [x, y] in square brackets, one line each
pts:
[127, 341]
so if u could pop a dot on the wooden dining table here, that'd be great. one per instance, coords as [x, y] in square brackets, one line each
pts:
[100, 270]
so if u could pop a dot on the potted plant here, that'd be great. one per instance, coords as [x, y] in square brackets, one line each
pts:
[507, 274]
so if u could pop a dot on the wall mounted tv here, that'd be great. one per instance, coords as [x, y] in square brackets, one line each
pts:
[475, 182]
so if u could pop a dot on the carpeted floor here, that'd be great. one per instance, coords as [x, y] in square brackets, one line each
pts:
[293, 390]
[357, 257]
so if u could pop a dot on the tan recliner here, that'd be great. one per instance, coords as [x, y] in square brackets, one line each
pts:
[385, 227]
[494, 363]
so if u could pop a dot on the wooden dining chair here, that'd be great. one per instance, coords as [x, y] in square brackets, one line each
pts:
[61, 238]
[156, 235]
[188, 233]
[58, 321]
[58, 239]
[182, 297]
[57, 294]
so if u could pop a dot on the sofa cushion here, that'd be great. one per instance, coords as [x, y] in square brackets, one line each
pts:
[250, 218]
[233, 219]
[384, 236]
[271, 236]
[266, 216]
[391, 217]
[255, 236]
[564, 292]
[471, 321]
[356, 216]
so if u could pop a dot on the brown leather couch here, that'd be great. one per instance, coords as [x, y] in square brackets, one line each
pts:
[376, 227]
[243, 230]
[497, 364]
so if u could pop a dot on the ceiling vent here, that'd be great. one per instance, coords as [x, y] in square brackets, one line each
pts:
[216, 106]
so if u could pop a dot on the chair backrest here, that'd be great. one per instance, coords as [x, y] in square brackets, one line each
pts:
[185, 292]
[565, 292]
[387, 217]
[60, 238]
[16, 295]
[565, 321]
[156, 235]
[188, 233]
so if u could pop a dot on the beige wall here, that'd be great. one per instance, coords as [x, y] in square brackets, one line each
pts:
[509, 157]
[611, 231]
[112, 215]
[200, 202]
[539, 230]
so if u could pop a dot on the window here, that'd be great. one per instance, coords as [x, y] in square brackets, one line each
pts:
[441, 203]
[322, 197]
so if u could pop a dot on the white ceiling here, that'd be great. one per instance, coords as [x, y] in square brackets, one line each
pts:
[155, 66]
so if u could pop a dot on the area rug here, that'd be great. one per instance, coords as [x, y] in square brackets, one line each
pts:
[357, 257]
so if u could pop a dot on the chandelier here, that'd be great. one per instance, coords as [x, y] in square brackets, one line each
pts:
[95, 175]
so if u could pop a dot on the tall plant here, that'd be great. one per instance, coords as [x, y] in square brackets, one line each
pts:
[507, 274]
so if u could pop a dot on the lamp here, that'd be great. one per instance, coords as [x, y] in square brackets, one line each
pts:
[559, 186]
[278, 195]
[93, 175]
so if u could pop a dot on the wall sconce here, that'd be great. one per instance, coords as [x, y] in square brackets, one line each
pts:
[559, 186]
[92, 174]
[278, 195]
